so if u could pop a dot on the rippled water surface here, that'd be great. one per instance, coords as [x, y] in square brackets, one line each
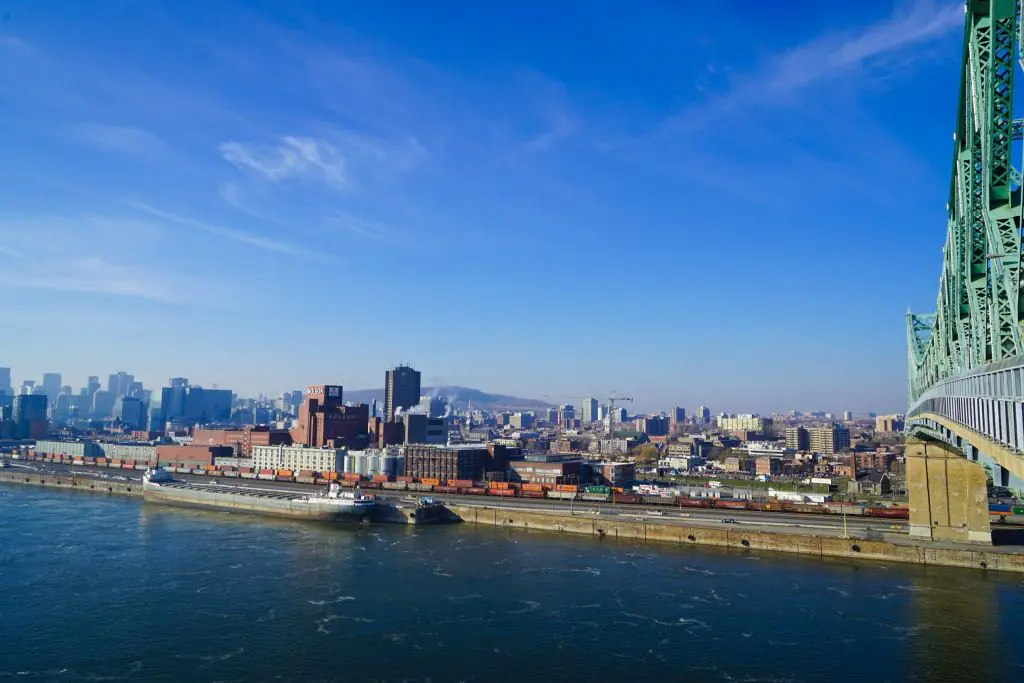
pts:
[96, 588]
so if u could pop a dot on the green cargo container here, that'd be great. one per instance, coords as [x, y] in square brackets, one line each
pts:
[1018, 511]
[604, 490]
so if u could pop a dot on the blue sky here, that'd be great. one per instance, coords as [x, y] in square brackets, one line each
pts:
[722, 203]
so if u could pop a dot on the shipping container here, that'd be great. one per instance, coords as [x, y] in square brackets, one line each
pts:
[567, 487]
[285, 473]
[694, 502]
[502, 485]
[661, 500]
[407, 480]
[249, 475]
[533, 487]
[329, 476]
[599, 489]
[461, 483]
[308, 479]
[395, 485]
[446, 489]
[625, 498]
[348, 484]
[304, 473]
[89, 461]
[422, 488]
[501, 492]
[265, 477]
[475, 491]
[889, 513]
[562, 495]
[430, 481]
[245, 470]
[352, 476]
[370, 484]
[731, 504]
[381, 478]
[1018, 510]
[531, 494]
[281, 477]
[116, 462]
[595, 497]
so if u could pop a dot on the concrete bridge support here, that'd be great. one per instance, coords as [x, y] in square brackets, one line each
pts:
[948, 494]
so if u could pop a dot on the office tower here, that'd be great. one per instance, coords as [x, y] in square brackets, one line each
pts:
[677, 415]
[401, 390]
[325, 420]
[703, 415]
[51, 385]
[92, 386]
[5, 381]
[590, 410]
[847, 415]
[119, 384]
[29, 415]
[103, 404]
[131, 412]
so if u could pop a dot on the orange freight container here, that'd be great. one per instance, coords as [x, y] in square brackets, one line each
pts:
[285, 473]
[462, 483]
[431, 482]
[266, 471]
[352, 476]
[533, 487]
[407, 480]
[101, 461]
[572, 488]
[246, 470]
[329, 476]
[380, 477]
[210, 468]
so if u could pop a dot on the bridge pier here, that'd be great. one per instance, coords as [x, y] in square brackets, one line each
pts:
[948, 494]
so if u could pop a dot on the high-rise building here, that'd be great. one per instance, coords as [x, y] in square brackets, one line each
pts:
[889, 423]
[103, 404]
[5, 381]
[847, 415]
[325, 420]
[590, 410]
[829, 440]
[652, 425]
[677, 415]
[401, 390]
[51, 385]
[798, 439]
[29, 415]
[745, 423]
[131, 412]
[703, 415]
[120, 383]
[92, 386]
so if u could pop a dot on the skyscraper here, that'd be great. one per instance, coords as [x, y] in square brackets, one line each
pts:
[131, 412]
[678, 415]
[92, 386]
[590, 410]
[5, 381]
[51, 385]
[401, 390]
[29, 415]
[703, 415]
[119, 384]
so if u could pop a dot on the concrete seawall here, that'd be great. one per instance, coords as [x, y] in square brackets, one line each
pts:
[117, 488]
[801, 544]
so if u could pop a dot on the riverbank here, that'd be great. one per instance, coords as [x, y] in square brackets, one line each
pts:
[908, 552]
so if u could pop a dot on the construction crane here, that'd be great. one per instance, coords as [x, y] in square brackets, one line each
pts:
[612, 398]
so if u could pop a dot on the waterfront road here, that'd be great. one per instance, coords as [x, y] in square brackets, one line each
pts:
[768, 521]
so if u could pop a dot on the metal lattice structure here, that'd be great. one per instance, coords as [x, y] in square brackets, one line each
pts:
[980, 306]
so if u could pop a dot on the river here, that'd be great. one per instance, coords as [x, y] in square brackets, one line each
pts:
[98, 588]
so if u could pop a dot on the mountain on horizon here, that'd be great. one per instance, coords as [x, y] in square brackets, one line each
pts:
[458, 397]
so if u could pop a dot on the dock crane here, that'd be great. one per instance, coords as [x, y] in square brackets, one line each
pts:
[612, 398]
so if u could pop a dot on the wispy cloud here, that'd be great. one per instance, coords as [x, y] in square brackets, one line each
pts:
[358, 226]
[291, 157]
[117, 138]
[96, 276]
[227, 233]
[826, 57]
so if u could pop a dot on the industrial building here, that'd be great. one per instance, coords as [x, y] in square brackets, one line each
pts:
[298, 458]
[472, 462]
[242, 440]
[325, 421]
[551, 470]
[386, 461]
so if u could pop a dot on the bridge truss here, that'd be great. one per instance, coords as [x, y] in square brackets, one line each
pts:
[980, 309]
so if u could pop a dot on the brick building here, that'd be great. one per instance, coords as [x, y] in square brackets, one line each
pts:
[455, 462]
[193, 455]
[324, 420]
[242, 440]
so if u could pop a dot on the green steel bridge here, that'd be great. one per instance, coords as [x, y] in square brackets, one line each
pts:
[966, 360]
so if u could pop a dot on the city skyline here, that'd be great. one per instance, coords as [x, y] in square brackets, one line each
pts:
[451, 173]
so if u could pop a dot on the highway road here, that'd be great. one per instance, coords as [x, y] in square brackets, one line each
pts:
[768, 521]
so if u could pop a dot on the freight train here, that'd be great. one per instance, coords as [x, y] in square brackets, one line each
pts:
[559, 492]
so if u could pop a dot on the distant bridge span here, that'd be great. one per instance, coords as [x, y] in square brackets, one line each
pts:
[966, 360]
